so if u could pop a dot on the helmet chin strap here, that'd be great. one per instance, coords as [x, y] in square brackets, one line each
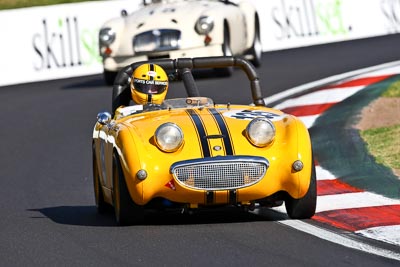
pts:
[149, 98]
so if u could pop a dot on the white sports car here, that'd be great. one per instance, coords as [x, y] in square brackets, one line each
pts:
[179, 29]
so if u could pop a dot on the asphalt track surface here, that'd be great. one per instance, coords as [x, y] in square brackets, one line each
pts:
[48, 217]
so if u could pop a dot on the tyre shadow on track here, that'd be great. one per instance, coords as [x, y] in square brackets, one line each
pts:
[88, 216]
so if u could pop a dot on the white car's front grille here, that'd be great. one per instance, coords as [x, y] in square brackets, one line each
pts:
[157, 40]
[220, 173]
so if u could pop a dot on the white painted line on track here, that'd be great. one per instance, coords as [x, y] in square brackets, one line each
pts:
[348, 201]
[388, 234]
[388, 71]
[333, 95]
[308, 120]
[323, 174]
[340, 239]
[329, 80]
[353, 200]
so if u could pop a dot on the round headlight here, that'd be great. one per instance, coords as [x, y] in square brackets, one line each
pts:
[169, 137]
[106, 36]
[204, 25]
[260, 132]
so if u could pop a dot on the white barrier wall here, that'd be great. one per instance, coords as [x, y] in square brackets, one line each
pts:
[294, 23]
[52, 42]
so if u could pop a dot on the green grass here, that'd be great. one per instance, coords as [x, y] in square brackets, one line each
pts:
[13, 4]
[384, 143]
[393, 90]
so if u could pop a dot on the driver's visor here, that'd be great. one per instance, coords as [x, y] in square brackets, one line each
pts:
[150, 86]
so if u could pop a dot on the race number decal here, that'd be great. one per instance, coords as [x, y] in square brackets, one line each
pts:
[251, 114]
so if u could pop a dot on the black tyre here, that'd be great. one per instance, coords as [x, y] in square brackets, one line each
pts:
[126, 211]
[101, 205]
[109, 77]
[255, 51]
[226, 51]
[304, 208]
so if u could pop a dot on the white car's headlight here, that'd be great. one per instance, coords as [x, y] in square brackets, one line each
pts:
[106, 36]
[260, 132]
[169, 137]
[204, 25]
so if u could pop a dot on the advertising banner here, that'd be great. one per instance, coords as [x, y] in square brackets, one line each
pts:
[52, 42]
[61, 41]
[294, 23]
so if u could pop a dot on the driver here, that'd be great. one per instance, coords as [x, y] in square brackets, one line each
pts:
[149, 85]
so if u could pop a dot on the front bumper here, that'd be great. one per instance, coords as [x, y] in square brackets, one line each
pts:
[221, 180]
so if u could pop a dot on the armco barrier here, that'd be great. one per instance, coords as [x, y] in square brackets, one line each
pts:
[51, 42]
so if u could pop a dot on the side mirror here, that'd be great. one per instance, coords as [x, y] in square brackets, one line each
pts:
[104, 118]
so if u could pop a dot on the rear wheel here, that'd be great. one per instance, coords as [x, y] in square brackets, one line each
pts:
[304, 208]
[126, 211]
[101, 205]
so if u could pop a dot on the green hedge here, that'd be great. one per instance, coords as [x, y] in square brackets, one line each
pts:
[13, 4]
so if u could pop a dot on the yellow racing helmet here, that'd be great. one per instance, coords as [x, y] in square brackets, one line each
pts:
[149, 84]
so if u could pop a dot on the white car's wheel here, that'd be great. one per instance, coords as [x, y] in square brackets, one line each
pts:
[256, 50]
[227, 51]
[226, 46]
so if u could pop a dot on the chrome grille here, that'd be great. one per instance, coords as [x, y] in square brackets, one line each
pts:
[221, 173]
[157, 40]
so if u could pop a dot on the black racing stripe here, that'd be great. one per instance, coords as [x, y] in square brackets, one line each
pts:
[210, 197]
[151, 69]
[149, 97]
[224, 131]
[232, 197]
[201, 131]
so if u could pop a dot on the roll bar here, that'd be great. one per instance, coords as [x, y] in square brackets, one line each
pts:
[183, 66]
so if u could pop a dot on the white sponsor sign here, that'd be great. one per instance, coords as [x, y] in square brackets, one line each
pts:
[51, 42]
[295, 23]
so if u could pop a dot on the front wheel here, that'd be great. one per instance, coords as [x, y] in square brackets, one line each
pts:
[304, 208]
[126, 211]
[101, 205]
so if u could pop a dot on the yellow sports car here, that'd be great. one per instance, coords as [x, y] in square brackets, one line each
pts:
[190, 153]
